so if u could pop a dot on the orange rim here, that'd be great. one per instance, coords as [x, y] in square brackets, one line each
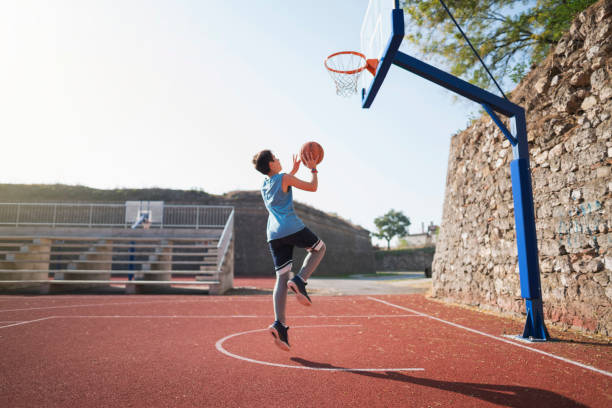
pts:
[354, 71]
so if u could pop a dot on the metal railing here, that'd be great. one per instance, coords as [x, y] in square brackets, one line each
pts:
[224, 240]
[109, 215]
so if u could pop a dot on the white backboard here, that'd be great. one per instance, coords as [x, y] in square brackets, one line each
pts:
[375, 32]
[133, 210]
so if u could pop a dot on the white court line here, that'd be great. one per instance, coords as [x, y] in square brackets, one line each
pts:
[86, 305]
[100, 304]
[587, 367]
[228, 316]
[26, 322]
[219, 346]
[18, 323]
[266, 300]
[207, 298]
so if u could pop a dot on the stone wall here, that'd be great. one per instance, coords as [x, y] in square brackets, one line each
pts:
[419, 240]
[568, 100]
[413, 259]
[349, 249]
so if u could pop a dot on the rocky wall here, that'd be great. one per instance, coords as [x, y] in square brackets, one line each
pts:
[568, 101]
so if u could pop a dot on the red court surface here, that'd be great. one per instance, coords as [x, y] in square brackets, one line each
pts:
[201, 351]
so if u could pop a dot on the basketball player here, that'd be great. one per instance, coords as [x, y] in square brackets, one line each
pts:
[286, 231]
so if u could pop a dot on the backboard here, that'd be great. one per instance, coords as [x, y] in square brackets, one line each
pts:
[134, 209]
[376, 31]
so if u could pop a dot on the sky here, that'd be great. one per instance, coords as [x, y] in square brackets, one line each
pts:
[181, 94]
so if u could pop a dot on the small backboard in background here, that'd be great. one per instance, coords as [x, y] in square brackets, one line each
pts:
[134, 209]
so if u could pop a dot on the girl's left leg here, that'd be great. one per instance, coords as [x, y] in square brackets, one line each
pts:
[312, 260]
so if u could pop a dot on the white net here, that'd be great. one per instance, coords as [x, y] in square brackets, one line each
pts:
[345, 68]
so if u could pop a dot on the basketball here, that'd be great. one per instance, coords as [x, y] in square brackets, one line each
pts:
[314, 150]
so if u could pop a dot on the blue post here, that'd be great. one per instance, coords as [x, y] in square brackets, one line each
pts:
[143, 218]
[524, 216]
[526, 239]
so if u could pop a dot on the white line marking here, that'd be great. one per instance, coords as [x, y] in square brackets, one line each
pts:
[587, 367]
[99, 304]
[26, 322]
[228, 316]
[219, 346]
[266, 300]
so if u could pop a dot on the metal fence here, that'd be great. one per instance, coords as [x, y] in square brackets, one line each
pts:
[109, 215]
[225, 240]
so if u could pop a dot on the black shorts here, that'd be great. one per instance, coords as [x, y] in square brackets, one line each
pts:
[282, 248]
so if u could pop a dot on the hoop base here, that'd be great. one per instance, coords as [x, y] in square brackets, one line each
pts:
[372, 65]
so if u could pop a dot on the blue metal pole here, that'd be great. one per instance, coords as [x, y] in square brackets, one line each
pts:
[454, 84]
[526, 238]
[143, 218]
[524, 216]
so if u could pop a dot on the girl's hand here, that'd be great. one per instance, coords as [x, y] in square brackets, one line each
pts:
[309, 161]
[296, 164]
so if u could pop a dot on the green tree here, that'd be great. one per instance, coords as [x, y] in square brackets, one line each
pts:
[392, 224]
[509, 35]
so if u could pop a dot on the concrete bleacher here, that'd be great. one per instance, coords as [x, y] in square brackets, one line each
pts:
[50, 257]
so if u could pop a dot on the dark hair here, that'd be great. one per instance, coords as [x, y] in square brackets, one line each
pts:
[262, 161]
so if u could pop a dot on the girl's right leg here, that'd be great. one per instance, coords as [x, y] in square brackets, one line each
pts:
[282, 255]
[280, 296]
[279, 329]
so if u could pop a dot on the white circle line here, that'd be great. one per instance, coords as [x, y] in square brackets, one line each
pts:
[219, 346]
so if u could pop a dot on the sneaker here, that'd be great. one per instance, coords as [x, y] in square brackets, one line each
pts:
[298, 286]
[279, 332]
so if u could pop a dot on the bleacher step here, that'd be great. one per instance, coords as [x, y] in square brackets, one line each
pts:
[114, 282]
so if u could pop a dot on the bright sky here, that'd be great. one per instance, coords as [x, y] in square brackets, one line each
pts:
[181, 94]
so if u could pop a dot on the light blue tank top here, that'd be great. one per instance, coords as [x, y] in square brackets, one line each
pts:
[282, 220]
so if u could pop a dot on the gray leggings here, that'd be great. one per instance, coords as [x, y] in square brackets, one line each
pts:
[311, 262]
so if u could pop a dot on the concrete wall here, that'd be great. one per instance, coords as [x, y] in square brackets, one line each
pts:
[568, 100]
[419, 240]
[349, 248]
[414, 259]
[39, 260]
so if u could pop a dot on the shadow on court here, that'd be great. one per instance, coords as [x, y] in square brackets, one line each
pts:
[504, 395]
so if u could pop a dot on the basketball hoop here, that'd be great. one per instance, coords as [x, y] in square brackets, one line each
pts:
[345, 68]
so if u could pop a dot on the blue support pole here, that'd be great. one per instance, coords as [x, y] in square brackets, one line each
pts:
[143, 218]
[454, 84]
[526, 238]
[500, 125]
[524, 216]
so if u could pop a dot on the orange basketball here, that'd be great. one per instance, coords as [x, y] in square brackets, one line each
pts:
[314, 149]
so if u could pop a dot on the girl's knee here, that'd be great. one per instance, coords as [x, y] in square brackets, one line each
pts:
[318, 248]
